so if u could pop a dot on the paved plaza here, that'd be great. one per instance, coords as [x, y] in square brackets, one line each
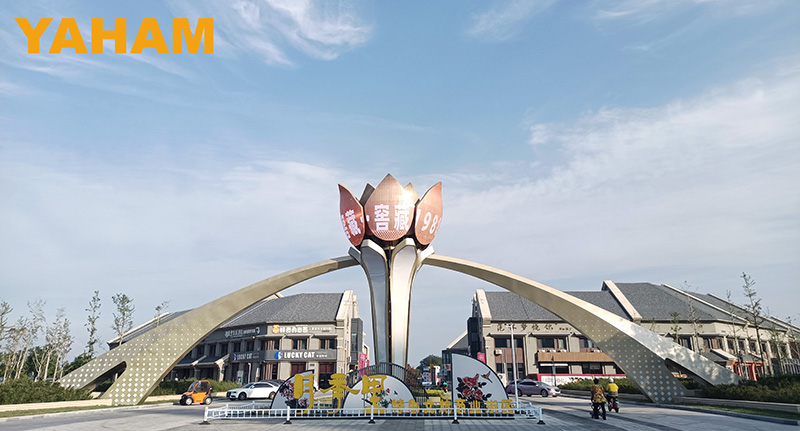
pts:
[562, 413]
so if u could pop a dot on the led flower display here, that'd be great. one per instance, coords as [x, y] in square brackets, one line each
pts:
[391, 212]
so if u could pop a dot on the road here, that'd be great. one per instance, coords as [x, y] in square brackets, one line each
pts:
[562, 413]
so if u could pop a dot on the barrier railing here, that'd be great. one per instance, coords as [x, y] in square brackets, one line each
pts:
[256, 410]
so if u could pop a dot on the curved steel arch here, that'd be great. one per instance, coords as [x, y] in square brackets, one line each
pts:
[149, 357]
[642, 354]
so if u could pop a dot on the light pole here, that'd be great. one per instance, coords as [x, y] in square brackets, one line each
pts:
[514, 360]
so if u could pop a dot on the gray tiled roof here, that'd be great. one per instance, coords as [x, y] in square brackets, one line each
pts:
[656, 302]
[148, 326]
[302, 308]
[510, 306]
[461, 344]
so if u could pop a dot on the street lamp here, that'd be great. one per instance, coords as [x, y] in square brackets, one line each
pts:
[514, 360]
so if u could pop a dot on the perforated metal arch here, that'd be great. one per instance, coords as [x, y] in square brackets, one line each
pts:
[148, 358]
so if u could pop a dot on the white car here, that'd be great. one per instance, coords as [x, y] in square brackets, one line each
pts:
[254, 390]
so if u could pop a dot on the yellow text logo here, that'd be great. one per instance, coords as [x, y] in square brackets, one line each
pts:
[148, 36]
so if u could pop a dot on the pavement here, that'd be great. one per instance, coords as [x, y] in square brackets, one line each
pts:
[562, 413]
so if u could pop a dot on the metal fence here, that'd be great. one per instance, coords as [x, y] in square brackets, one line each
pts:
[256, 410]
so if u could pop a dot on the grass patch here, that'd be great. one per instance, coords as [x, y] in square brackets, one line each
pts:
[15, 413]
[746, 410]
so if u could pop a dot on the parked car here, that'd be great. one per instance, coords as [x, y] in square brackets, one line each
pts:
[264, 389]
[198, 392]
[530, 387]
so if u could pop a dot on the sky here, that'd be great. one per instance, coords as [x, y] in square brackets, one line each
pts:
[633, 141]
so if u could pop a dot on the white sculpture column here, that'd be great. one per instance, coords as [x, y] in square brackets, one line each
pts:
[390, 279]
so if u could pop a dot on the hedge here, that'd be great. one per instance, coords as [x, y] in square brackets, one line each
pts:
[779, 389]
[24, 391]
[626, 386]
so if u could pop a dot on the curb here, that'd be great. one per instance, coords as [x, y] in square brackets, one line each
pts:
[701, 410]
[100, 409]
[734, 414]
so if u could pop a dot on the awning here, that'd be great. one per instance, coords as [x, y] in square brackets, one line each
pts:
[188, 362]
[214, 361]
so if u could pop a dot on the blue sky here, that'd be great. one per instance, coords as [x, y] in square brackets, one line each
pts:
[577, 142]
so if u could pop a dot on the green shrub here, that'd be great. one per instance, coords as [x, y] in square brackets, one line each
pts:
[779, 389]
[689, 383]
[23, 391]
[626, 386]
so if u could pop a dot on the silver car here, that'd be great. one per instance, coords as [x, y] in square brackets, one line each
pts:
[530, 387]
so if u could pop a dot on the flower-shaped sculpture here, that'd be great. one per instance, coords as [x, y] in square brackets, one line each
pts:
[390, 212]
[391, 230]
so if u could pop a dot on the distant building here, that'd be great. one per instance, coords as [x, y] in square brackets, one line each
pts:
[277, 338]
[458, 346]
[549, 349]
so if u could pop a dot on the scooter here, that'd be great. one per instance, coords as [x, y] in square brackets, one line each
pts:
[613, 404]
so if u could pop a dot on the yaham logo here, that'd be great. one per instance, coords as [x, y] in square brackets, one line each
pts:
[68, 35]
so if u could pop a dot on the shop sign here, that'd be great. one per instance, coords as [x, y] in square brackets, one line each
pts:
[312, 355]
[240, 333]
[248, 356]
[300, 329]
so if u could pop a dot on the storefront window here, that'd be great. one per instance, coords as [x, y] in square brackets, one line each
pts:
[300, 344]
[552, 343]
[327, 343]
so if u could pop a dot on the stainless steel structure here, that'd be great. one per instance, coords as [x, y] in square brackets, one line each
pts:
[390, 262]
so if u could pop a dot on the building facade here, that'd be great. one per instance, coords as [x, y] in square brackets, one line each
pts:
[277, 338]
[549, 349]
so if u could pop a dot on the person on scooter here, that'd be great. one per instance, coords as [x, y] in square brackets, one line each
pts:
[612, 394]
[598, 400]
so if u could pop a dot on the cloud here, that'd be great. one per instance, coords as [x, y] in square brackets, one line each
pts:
[698, 183]
[505, 19]
[321, 30]
[643, 11]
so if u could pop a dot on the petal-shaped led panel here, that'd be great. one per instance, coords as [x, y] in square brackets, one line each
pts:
[428, 217]
[389, 210]
[352, 216]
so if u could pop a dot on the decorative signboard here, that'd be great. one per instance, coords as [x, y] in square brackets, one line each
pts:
[476, 383]
[381, 392]
[296, 393]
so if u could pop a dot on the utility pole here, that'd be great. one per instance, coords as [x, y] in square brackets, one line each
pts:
[514, 360]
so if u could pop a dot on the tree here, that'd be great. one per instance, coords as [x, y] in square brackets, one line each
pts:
[123, 318]
[675, 325]
[91, 324]
[31, 330]
[734, 330]
[777, 339]
[430, 360]
[5, 310]
[160, 308]
[62, 343]
[754, 312]
[5, 331]
[693, 319]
